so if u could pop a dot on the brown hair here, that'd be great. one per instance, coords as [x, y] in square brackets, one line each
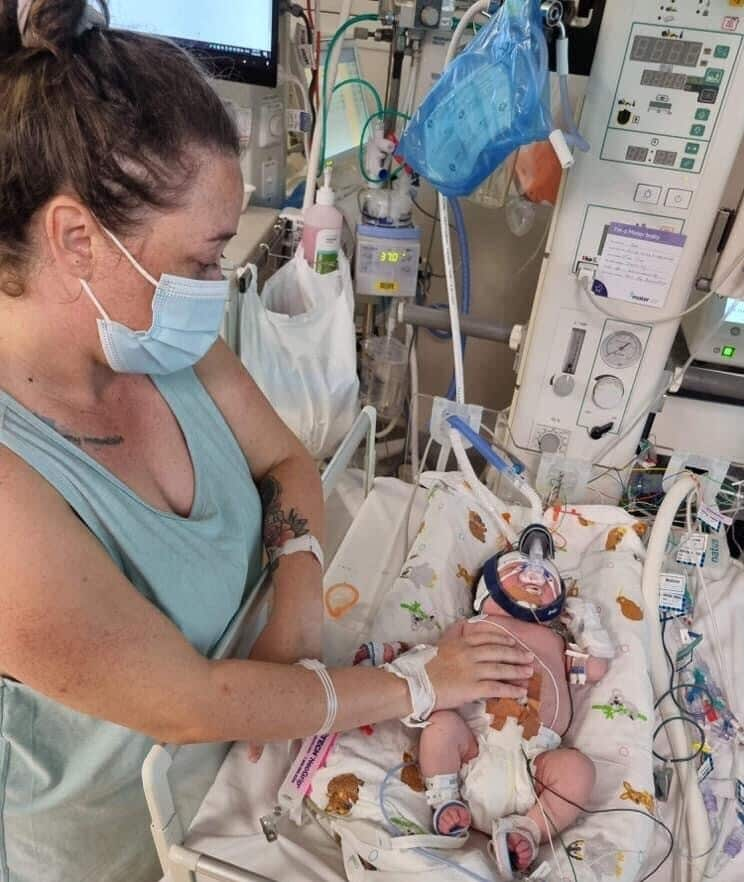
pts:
[107, 114]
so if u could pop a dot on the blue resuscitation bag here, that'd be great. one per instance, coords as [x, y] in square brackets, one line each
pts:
[488, 102]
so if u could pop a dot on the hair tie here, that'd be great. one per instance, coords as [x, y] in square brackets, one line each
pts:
[94, 16]
[24, 9]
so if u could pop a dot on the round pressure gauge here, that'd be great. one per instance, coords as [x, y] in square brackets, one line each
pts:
[621, 349]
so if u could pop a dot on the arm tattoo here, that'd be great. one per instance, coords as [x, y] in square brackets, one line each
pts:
[279, 527]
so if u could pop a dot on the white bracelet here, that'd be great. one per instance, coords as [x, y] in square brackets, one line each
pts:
[320, 669]
[411, 667]
[308, 542]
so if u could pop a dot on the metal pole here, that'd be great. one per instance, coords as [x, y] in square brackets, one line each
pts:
[439, 320]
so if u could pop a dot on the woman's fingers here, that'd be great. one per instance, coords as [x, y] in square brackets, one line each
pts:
[498, 689]
[491, 671]
[509, 655]
[481, 637]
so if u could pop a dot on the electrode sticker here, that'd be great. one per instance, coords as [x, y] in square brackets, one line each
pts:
[672, 592]
[691, 551]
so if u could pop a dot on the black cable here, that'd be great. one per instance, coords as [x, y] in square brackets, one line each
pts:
[611, 811]
[431, 216]
[682, 759]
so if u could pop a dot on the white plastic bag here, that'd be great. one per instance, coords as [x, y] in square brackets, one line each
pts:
[298, 342]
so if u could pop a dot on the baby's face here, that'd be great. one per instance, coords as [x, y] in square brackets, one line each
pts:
[536, 595]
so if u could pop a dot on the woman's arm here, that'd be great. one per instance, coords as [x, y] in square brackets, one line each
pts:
[73, 628]
[292, 498]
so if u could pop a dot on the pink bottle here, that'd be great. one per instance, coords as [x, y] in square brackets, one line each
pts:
[321, 236]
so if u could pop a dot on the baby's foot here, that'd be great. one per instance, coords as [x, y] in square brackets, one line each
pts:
[452, 819]
[520, 849]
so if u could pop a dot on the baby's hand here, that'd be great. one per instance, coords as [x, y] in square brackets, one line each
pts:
[254, 752]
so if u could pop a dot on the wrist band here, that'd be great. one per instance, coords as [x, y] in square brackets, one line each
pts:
[312, 664]
[411, 667]
[308, 543]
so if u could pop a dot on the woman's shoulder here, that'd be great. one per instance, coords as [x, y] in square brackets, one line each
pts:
[22, 487]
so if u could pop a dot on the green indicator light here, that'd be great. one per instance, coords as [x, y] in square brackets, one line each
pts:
[728, 351]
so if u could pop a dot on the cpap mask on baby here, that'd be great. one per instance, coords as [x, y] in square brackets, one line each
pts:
[525, 583]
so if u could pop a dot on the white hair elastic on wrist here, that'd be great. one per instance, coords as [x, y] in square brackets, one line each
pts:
[312, 664]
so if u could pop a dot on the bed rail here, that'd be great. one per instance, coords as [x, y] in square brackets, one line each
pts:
[171, 812]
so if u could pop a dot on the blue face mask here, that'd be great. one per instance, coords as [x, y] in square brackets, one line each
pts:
[186, 319]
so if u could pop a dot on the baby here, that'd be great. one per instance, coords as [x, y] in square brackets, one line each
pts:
[509, 760]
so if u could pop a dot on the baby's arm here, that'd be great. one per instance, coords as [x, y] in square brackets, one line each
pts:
[596, 668]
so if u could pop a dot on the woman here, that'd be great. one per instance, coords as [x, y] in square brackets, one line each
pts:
[130, 519]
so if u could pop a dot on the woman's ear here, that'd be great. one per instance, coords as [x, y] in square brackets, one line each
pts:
[70, 230]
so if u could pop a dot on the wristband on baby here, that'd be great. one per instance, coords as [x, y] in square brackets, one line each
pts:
[330, 692]
[411, 667]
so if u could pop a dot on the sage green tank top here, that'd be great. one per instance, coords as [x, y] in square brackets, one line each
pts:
[72, 807]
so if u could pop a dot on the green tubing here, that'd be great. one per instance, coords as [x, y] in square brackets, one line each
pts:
[379, 113]
[354, 20]
[360, 82]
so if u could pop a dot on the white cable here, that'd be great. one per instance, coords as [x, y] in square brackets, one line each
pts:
[312, 664]
[414, 421]
[449, 267]
[492, 504]
[585, 286]
[537, 659]
[556, 865]
[454, 309]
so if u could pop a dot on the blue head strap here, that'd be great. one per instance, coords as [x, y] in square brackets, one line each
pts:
[499, 595]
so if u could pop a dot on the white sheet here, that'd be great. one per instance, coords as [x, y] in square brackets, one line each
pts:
[228, 823]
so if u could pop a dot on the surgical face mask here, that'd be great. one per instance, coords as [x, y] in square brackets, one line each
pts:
[186, 319]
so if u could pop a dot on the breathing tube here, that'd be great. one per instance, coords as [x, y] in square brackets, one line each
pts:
[462, 240]
[574, 138]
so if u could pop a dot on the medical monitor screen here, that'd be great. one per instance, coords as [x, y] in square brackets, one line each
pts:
[235, 40]
[734, 311]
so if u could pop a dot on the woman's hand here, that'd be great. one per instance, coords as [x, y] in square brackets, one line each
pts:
[475, 661]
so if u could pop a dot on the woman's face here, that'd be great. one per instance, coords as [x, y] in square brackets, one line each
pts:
[186, 241]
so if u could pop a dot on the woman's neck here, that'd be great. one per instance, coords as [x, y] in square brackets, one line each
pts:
[48, 349]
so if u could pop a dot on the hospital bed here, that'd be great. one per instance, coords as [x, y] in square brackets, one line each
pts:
[213, 814]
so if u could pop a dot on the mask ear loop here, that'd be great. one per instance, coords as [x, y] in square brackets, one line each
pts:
[89, 291]
[130, 257]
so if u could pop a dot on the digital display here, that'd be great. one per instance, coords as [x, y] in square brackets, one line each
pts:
[734, 312]
[660, 51]
[636, 154]
[664, 80]
[665, 157]
[391, 256]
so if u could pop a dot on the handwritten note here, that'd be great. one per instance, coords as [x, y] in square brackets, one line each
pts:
[638, 264]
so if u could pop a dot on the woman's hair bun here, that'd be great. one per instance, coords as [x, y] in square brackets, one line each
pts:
[48, 25]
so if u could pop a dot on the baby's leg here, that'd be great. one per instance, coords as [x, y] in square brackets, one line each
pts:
[446, 744]
[565, 772]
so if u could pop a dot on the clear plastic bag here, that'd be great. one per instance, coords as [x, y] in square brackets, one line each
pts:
[488, 102]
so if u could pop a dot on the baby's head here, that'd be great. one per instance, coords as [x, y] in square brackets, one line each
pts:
[509, 587]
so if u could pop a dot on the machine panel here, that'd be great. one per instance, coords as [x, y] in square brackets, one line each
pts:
[664, 123]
